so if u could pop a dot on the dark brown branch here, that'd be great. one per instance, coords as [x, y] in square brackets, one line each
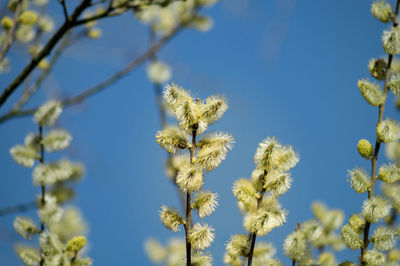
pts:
[64, 7]
[188, 221]
[44, 52]
[254, 235]
[374, 160]
[106, 83]
[11, 32]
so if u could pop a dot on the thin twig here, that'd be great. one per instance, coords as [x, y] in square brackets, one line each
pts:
[106, 83]
[18, 208]
[64, 7]
[66, 26]
[188, 222]
[11, 32]
[374, 160]
[254, 235]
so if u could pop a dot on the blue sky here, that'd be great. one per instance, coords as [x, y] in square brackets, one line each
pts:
[288, 68]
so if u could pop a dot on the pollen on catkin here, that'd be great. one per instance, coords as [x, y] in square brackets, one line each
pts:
[190, 178]
[389, 173]
[372, 92]
[76, 243]
[365, 148]
[359, 180]
[382, 11]
[48, 113]
[170, 218]
[245, 192]
[205, 203]
[377, 68]
[388, 130]
[375, 208]
[374, 258]
[395, 84]
[7, 23]
[384, 238]
[391, 41]
[351, 238]
[201, 236]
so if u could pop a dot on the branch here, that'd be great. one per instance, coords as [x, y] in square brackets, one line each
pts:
[374, 160]
[18, 208]
[253, 236]
[44, 52]
[64, 6]
[106, 83]
[10, 33]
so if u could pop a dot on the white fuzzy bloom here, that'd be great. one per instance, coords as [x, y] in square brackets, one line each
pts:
[56, 140]
[24, 155]
[382, 10]
[48, 113]
[190, 178]
[359, 180]
[50, 244]
[201, 236]
[389, 173]
[395, 84]
[295, 246]
[372, 92]
[391, 41]
[277, 182]
[351, 238]
[25, 227]
[388, 130]
[384, 238]
[205, 203]
[375, 209]
[264, 220]
[238, 246]
[245, 192]
[170, 218]
[47, 174]
[154, 250]
[159, 72]
[374, 258]
[30, 256]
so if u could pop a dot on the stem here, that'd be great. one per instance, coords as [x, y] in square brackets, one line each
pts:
[43, 201]
[66, 26]
[18, 208]
[11, 32]
[374, 160]
[189, 205]
[293, 262]
[41, 160]
[254, 235]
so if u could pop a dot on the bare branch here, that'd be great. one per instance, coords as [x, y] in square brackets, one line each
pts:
[65, 11]
[11, 32]
[106, 83]
[44, 52]
[18, 208]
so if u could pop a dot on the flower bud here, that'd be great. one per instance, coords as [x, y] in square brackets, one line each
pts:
[7, 23]
[382, 11]
[365, 148]
[76, 243]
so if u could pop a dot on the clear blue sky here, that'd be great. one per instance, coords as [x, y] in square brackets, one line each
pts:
[288, 68]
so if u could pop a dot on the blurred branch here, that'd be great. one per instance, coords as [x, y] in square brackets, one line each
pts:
[28, 93]
[71, 22]
[18, 208]
[64, 7]
[109, 81]
[65, 27]
[11, 32]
